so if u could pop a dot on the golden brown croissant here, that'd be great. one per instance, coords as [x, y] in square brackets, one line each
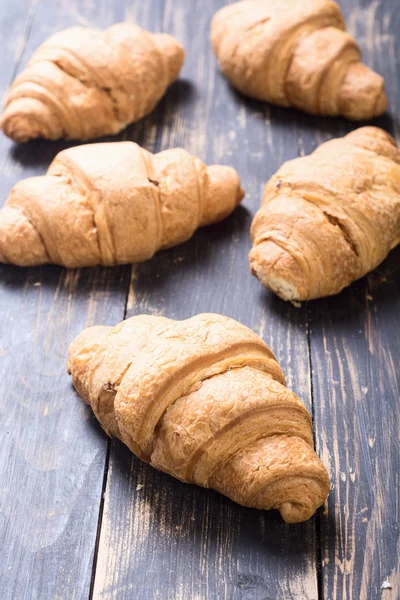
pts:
[328, 218]
[113, 203]
[205, 401]
[296, 53]
[84, 83]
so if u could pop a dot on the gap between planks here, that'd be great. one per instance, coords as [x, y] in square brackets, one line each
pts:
[156, 143]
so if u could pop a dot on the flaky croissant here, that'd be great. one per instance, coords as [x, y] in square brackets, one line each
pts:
[296, 53]
[113, 203]
[205, 401]
[328, 218]
[84, 83]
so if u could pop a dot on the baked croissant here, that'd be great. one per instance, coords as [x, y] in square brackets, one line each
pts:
[205, 401]
[328, 218]
[296, 53]
[84, 83]
[113, 203]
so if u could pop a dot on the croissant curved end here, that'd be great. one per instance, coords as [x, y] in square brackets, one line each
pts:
[84, 345]
[223, 193]
[17, 127]
[293, 512]
[20, 243]
[362, 94]
[302, 496]
[302, 499]
[174, 52]
[375, 139]
[277, 270]
[26, 119]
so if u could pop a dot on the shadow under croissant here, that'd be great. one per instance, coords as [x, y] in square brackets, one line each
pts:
[40, 153]
[303, 123]
[380, 288]
[190, 515]
[151, 275]
[194, 259]
[79, 282]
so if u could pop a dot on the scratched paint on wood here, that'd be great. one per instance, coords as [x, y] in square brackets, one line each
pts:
[53, 453]
[355, 341]
[159, 538]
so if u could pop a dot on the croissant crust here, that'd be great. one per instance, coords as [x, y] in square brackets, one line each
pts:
[84, 83]
[296, 53]
[113, 203]
[205, 401]
[328, 218]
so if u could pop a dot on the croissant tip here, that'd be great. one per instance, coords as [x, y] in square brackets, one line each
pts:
[16, 128]
[362, 93]
[24, 120]
[264, 265]
[174, 52]
[294, 512]
[224, 192]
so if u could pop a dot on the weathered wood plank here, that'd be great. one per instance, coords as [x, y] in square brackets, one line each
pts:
[355, 341]
[160, 538]
[52, 455]
[15, 25]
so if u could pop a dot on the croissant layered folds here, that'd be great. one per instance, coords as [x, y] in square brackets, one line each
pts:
[113, 203]
[328, 218]
[83, 83]
[296, 53]
[205, 401]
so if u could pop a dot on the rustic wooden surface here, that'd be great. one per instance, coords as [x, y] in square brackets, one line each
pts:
[80, 517]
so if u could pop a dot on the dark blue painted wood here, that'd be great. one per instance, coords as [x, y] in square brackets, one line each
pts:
[158, 538]
[355, 346]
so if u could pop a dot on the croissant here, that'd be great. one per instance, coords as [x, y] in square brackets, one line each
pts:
[296, 53]
[113, 203]
[205, 401]
[84, 83]
[328, 218]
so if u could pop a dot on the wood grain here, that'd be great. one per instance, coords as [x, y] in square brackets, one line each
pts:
[160, 538]
[52, 455]
[154, 537]
[355, 341]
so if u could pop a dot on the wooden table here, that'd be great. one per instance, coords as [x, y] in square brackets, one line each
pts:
[80, 516]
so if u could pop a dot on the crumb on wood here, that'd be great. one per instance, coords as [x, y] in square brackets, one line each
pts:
[139, 487]
[386, 585]
[37, 284]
